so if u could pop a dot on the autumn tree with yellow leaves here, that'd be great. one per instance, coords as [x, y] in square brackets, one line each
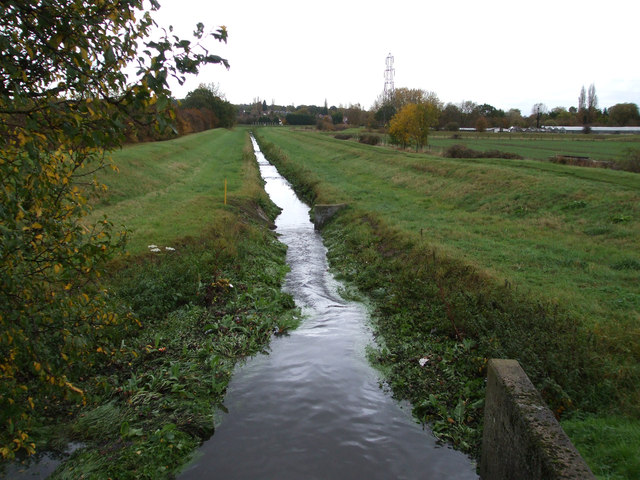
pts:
[411, 124]
[65, 102]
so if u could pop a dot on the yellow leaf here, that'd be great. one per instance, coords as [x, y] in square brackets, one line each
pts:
[37, 366]
[74, 388]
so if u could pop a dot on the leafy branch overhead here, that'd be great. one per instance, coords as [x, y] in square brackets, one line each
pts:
[76, 78]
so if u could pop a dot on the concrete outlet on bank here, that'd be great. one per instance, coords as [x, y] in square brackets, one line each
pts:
[322, 213]
[522, 439]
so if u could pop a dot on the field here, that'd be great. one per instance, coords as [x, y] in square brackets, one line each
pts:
[510, 258]
[541, 146]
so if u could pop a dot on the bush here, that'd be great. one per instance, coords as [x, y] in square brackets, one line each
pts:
[578, 161]
[324, 123]
[452, 126]
[369, 139]
[343, 136]
[632, 162]
[461, 151]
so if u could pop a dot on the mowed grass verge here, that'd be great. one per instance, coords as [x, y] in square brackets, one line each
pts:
[209, 300]
[165, 191]
[526, 259]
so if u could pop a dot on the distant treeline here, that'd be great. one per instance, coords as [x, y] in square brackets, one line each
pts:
[205, 108]
[202, 109]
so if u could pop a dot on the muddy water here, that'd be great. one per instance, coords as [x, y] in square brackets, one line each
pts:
[312, 408]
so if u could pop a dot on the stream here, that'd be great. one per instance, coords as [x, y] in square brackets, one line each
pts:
[313, 408]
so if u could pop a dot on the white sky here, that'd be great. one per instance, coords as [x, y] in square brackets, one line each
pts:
[508, 53]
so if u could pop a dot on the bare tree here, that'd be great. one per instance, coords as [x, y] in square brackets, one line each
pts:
[538, 110]
[592, 103]
[582, 105]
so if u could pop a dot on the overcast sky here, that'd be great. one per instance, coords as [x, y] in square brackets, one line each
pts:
[510, 54]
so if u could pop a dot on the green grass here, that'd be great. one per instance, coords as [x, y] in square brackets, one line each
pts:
[609, 444]
[213, 300]
[541, 146]
[170, 190]
[529, 260]
[551, 229]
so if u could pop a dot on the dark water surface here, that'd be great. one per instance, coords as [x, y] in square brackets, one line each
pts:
[312, 408]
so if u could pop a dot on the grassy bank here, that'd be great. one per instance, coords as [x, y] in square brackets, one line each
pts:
[208, 300]
[472, 259]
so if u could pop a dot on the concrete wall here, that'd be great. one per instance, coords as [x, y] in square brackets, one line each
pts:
[522, 439]
[322, 213]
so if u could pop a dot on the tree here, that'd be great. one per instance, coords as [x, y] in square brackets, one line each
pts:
[300, 119]
[412, 123]
[481, 124]
[624, 114]
[385, 109]
[65, 102]
[337, 117]
[450, 115]
[468, 113]
[582, 106]
[207, 97]
[592, 104]
[355, 115]
[514, 117]
[384, 113]
[537, 111]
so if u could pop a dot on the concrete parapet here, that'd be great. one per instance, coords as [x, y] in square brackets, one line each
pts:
[322, 213]
[522, 439]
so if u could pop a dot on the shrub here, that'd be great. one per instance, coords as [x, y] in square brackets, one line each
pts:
[324, 123]
[632, 162]
[578, 161]
[369, 139]
[461, 151]
[343, 136]
[452, 126]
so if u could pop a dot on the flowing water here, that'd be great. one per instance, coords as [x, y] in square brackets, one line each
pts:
[312, 408]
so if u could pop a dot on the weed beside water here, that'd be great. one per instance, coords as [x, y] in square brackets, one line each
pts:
[202, 312]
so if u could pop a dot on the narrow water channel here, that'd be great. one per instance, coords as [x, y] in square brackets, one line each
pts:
[312, 408]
